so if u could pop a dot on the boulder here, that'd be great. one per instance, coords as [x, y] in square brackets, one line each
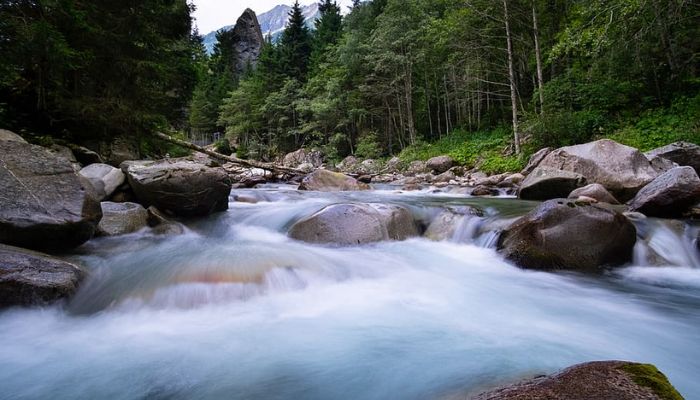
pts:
[352, 224]
[162, 225]
[295, 159]
[65, 152]
[681, 153]
[120, 149]
[393, 165]
[105, 179]
[10, 136]
[662, 165]
[669, 195]
[369, 166]
[440, 164]
[348, 164]
[549, 183]
[601, 380]
[121, 218]
[32, 278]
[326, 181]
[43, 203]
[483, 190]
[444, 225]
[417, 167]
[85, 156]
[180, 187]
[594, 191]
[535, 160]
[622, 170]
[512, 180]
[445, 177]
[561, 234]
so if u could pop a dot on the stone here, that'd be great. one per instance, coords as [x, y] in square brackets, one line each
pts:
[595, 191]
[669, 195]
[353, 224]
[295, 159]
[30, 278]
[162, 225]
[443, 226]
[43, 203]
[681, 153]
[65, 152]
[417, 167]
[10, 136]
[120, 149]
[121, 218]
[326, 181]
[560, 234]
[599, 380]
[249, 41]
[535, 160]
[348, 164]
[483, 190]
[180, 187]
[549, 183]
[105, 179]
[662, 165]
[393, 165]
[85, 156]
[445, 177]
[440, 164]
[512, 180]
[622, 170]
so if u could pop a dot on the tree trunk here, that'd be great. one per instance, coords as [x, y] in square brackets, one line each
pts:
[538, 57]
[511, 79]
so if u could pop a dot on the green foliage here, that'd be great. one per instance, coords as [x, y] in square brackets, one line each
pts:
[565, 128]
[368, 147]
[151, 146]
[483, 149]
[223, 146]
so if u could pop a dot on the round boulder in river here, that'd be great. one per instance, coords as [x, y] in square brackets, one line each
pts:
[353, 224]
[121, 218]
[43, 204]
[670, 194]
[561, 234]
[180, 187]
[440, 164]
[595, 191]
[31, 278]
[327, 181]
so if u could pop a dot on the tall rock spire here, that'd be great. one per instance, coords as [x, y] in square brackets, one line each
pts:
[248, 41]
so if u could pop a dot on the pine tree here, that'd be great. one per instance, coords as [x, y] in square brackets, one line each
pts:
[329, 28]
[295, 45]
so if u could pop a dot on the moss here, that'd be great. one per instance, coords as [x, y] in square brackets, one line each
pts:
[649, 376]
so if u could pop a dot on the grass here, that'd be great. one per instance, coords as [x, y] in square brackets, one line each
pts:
[483, 149]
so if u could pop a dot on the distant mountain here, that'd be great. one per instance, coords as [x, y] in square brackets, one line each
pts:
[271, 22]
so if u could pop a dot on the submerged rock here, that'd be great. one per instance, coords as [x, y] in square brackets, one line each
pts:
[548, 183]
[353, 224]
[180, 187]
[600, 380]
[162, 225]
[560, 234]
[594, 191]
[43, 204]
[669, 195]
[32, 278]
[621, 169]
[444, 225]
[326, 181]
[121, 218]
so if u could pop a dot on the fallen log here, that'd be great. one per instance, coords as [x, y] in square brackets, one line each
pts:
[235, 160]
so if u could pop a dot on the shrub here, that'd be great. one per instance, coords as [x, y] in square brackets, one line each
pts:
[368, 147]
[223, 146]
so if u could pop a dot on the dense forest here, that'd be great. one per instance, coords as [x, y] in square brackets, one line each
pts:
[482, 80]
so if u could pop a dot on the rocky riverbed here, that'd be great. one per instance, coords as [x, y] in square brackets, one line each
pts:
[358, 280]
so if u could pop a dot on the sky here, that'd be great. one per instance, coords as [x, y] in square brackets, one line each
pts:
[213, 14]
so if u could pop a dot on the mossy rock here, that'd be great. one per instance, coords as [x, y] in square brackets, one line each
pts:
[647, 375]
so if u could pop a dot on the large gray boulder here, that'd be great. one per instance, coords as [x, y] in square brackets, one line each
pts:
[621, 169]
[561, 234]
[681, 153]
[249, 41]
[43, 203]
[121, 218]
[440, 164]
[32, 278]
[594, 191]
[303, 156]
[353, 224]
[669, 195]
[180, 186]
[535, 160]
[323, 180]
[600, 380]
[549, 183]
[105, 179]
[11, 136]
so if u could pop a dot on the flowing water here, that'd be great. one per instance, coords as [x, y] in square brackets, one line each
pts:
[235, 309]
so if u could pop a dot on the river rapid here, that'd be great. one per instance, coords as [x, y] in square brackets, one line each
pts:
[235, 309]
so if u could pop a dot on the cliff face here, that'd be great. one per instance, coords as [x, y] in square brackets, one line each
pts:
[249, 41]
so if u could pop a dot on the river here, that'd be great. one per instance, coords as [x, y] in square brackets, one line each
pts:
[235, 309]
